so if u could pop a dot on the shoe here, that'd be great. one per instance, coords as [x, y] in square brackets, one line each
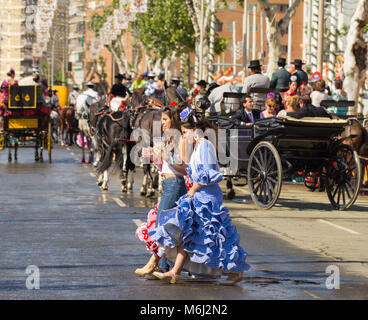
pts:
[172, 278]
[233, 278]
[147, 269]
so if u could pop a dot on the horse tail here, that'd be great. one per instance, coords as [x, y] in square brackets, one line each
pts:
[106, 161]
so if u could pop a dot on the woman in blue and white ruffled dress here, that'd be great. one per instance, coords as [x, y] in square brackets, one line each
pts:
[198, 235]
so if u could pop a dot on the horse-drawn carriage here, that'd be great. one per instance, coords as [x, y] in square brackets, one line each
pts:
[277, 149]
[27, 122]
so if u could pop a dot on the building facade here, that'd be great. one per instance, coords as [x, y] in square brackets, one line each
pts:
[17, 36]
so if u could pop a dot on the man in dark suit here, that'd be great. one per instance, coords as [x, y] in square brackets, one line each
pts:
[246, 116]
[280, 78]
[309, 110]
[300, 73]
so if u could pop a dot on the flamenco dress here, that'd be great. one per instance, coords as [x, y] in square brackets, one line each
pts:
[201, 224]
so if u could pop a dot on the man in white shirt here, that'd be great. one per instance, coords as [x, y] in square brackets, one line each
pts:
[72, 99]
[85, 99]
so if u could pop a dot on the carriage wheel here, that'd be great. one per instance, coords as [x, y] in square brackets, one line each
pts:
[49, 141]
[265, 175]
[344, 178]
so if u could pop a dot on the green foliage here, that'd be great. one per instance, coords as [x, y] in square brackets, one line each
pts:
[166, 28]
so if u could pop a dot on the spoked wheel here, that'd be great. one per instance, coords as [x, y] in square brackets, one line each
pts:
[344, 178]
[265, 175]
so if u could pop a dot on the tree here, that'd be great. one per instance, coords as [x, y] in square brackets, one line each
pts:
[356, 53]
[166, 31]
[116, 47]
[275, 30]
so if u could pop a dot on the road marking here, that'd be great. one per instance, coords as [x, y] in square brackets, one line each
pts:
[119, 202]
[311, 294]
[138, 222]
[339, 227]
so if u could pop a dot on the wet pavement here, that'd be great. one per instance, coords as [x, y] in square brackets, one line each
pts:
[54, 217]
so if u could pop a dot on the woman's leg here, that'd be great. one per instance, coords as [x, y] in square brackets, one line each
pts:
[179, 262]
[150, 266]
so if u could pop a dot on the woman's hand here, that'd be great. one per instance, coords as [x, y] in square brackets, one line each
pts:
[194, 189]
[191, 192]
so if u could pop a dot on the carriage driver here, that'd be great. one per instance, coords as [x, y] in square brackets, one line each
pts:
[85, 99]
[246, 115]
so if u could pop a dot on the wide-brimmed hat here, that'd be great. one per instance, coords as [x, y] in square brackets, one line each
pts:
[90, 84]
[298, 62]
[120, 76]
[282, 61]
[212, 86]
[151, 75]
[254, 64]
[201, 83]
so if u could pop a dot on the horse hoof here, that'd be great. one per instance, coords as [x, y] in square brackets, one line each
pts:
[151, 193]
[124, 189]
[230, 194]
[143, 192]
[102, 188]
[130, 187]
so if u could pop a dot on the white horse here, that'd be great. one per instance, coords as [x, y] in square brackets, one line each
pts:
[82, 115]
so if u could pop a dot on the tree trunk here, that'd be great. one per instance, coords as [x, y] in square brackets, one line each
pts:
[275, 31]
[274, 38]
[355, 59]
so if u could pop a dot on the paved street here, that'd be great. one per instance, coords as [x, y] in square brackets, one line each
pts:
[53, 216]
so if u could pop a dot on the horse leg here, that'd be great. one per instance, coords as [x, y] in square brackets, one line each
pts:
[90, 147]
[160, 189]
[151, 190]
[83, 151]
[124, 173]
[100, 180]
[130, 178]
[104, 185]
[37, 158]
[230, 193]
[16, 152]
[9, 154]
[143, 190]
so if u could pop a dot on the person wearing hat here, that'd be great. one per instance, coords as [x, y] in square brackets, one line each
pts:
[72, 98]
[120, 81]
[182, 92]
[91, 92]
[201, 88]
[200, 96]
[280, 79]
[55, 103]
[216, 95]
[150, 85]
[256, 80]
[247, 115]
[140, 84]
[300, 73]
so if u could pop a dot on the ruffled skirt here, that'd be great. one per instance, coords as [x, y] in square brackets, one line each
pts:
[205, 232]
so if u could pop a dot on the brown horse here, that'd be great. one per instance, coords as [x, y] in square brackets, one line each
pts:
[68, 125]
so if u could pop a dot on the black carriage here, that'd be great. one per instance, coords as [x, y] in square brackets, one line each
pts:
[276, 149]
[24, 124]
